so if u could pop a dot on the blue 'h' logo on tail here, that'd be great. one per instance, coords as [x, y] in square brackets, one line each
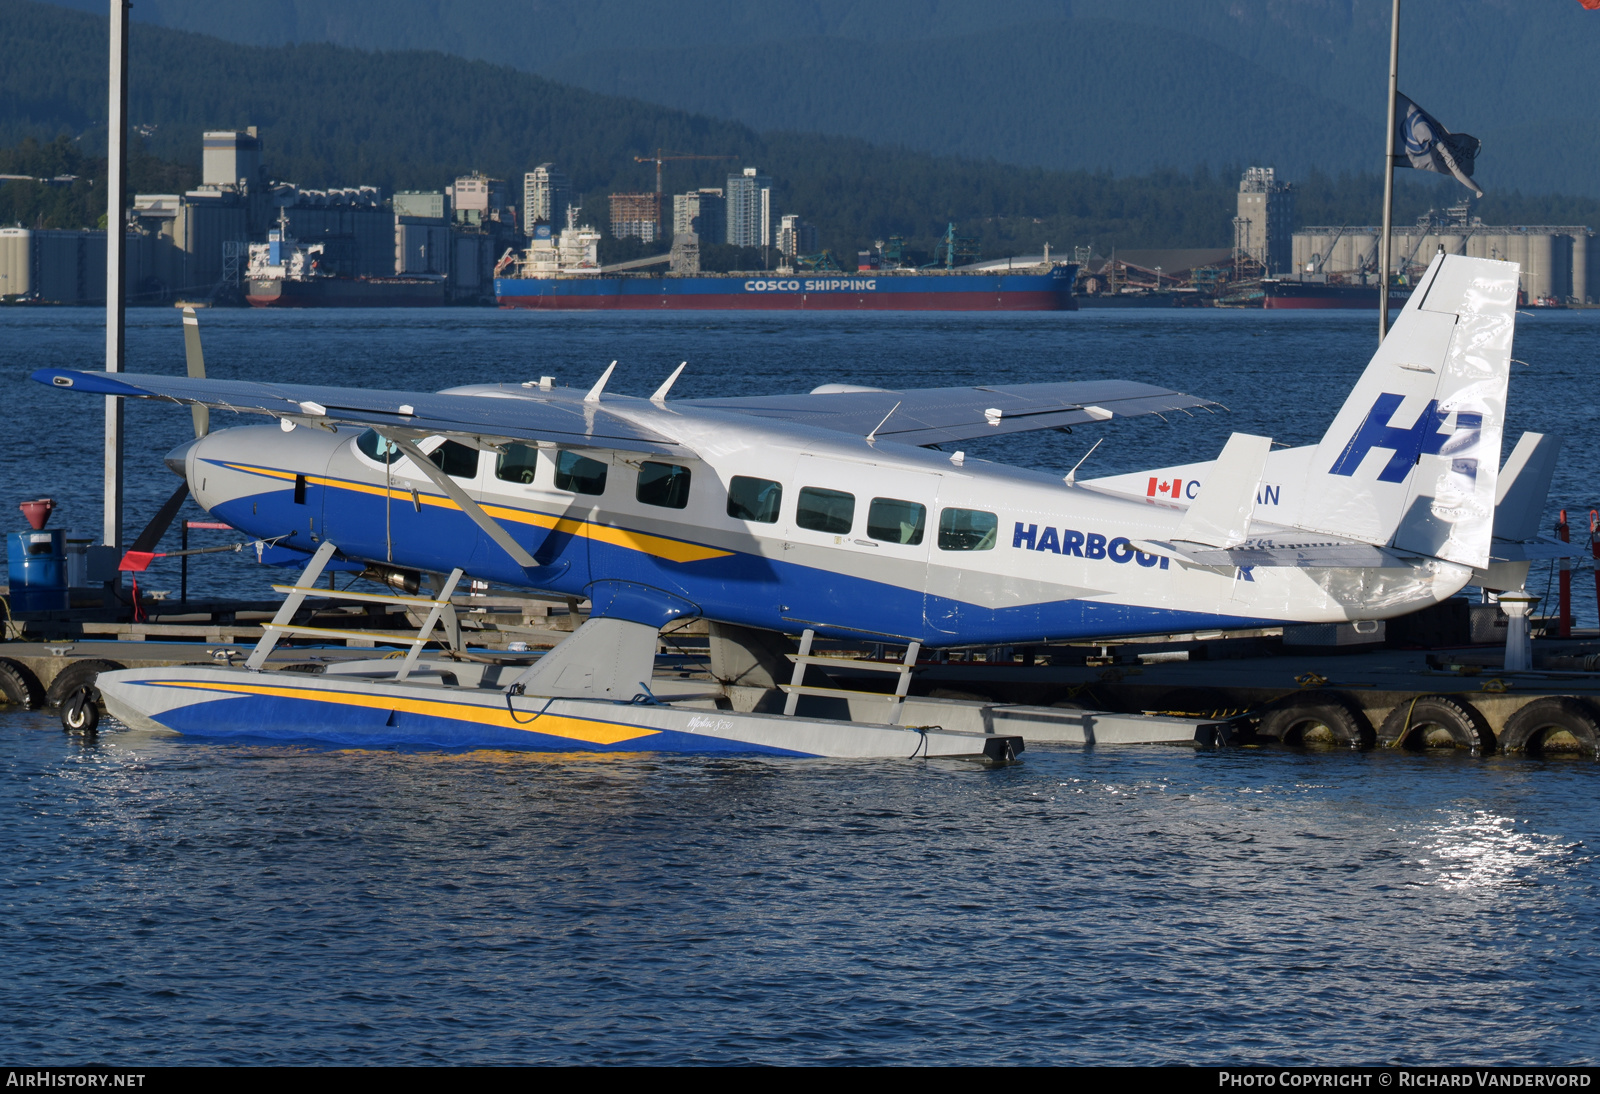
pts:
[1408, 443]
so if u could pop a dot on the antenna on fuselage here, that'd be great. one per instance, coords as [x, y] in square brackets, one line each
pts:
[873, 436]
[600, 384]
[661, 392]
[1072, 476]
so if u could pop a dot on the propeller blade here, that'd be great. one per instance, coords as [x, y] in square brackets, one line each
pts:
[142, 553]
[197, 368]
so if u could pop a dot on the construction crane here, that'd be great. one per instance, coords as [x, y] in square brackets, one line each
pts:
[662, 156]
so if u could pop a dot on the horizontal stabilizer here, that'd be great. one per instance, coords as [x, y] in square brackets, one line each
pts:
[1220, 516]
[1301, 551]
[1537, 549]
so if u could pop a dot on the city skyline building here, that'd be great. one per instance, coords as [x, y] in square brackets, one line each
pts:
[796, 237]
[635, 216]
[546, 196]
[1263, 226]
[703, 212]
[749, 204]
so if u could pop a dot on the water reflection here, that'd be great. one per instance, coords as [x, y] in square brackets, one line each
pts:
[1483, 851]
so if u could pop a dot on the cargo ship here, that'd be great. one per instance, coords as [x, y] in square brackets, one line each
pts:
[563, 273]
[1283, 293]
[283, 273]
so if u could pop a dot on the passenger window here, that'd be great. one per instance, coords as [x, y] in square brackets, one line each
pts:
[517, 463]
[456, 460]
[896, 521]
[825, 510]
[580, 474]
[664, 484]
[754, 499]
[967, 530]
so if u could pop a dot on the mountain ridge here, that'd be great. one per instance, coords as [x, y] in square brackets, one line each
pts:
[1514, 74]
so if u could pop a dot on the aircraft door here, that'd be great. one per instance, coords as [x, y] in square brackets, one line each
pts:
[420, 526]
[867, 527]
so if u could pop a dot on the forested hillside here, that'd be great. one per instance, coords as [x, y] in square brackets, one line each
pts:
[1123, 86]
[335, 116]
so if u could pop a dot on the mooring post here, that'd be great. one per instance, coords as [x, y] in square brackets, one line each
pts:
[116, 189]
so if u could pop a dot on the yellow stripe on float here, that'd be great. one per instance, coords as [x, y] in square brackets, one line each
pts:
[552, 725]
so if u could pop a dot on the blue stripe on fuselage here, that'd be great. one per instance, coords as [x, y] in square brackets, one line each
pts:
[740, 587]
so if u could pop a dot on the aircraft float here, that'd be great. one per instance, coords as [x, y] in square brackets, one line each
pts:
[846, 512]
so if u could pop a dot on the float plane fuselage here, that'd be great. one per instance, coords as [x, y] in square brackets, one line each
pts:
[830, 511]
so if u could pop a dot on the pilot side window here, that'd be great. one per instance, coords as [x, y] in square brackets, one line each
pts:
[456, 460]
[580, 474]
[754, 499]
[517, 463]
[825, 510]
[379, 449]
[967, 530]
[664, 484]
[895, 521]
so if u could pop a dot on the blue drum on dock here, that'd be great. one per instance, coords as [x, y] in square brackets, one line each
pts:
[38, 569]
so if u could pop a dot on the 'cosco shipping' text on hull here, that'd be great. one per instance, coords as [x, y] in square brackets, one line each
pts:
[1049, 290]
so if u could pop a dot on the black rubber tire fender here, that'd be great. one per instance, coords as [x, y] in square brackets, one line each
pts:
[19, 685]
[1528, 728]
[76, 675]
[1438, 721]
[80, 710]
[1320, 714]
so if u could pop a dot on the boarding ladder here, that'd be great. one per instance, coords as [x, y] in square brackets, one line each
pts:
[439, 608]
[796, 686]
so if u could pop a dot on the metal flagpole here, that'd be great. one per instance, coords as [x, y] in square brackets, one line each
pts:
[1388, 177]
[116, 186]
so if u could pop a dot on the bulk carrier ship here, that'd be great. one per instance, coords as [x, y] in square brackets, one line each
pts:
[286, 274]
[564, 273]
[1298, 294]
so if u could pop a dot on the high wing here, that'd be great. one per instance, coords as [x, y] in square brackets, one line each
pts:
[537, 415]
[929, 416]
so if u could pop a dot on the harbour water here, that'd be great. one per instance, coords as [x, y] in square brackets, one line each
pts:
[177, 901]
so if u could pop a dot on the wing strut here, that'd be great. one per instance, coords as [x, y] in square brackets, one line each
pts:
[491, 527]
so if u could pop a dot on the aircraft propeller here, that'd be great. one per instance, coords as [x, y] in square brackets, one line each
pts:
[143, 552]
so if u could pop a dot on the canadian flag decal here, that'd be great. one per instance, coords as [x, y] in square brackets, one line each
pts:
[1161, 486]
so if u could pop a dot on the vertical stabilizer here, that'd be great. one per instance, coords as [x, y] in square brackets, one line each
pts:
[1411, 459]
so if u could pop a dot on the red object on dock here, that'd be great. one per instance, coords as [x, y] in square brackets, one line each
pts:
[1594, 549]
[1566, 579]
[38, 512]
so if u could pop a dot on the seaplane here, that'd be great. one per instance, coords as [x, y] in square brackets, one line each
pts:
[846, 512]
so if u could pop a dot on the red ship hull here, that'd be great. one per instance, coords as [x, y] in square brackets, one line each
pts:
[962, 301]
